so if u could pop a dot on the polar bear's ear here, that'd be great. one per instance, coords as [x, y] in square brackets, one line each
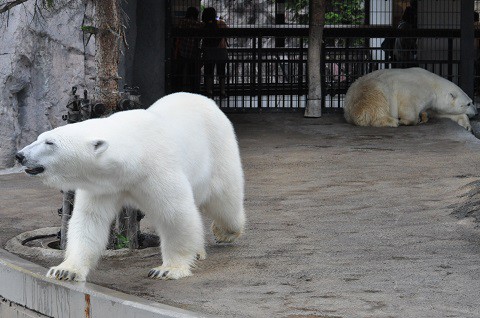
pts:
[99, 146]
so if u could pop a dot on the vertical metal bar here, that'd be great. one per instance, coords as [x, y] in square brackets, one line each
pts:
[169, 76]
[234, 77]
[349, 68]
[253, 66]
[450, 59]
[366, 19]
[467, 47]
[300, 70]
[280, 19]
[260, 73]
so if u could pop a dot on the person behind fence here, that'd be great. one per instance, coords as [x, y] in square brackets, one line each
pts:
[387, 46]
[405, 49]
[187, 54]
[214, 52]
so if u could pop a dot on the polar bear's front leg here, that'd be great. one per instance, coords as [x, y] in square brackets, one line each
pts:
[462, 120]
[87, 237]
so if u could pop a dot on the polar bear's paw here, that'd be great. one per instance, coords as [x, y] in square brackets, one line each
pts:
[423, 118]
[201, 256]
[464, 122]
[223, 235]
[62, 272]
[169, 272]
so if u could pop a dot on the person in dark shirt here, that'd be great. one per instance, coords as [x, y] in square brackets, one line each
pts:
[405, 49]
[187, 53]
[214, 52]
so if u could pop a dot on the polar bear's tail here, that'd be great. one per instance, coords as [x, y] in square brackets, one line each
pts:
[366, 105]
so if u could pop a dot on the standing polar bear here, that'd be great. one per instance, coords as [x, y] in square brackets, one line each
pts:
[172, 160]
[389, 97]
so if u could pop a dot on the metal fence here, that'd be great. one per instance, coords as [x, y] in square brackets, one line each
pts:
[268, 42]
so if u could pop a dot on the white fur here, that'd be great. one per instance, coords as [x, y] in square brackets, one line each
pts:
[391, 97]
[172, 160]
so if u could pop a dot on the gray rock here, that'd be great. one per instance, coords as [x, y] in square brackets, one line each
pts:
[43, 54]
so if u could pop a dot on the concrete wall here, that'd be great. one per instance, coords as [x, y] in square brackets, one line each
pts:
[10, 309]
[26, 293]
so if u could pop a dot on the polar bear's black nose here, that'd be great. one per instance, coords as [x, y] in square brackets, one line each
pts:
[20, 157]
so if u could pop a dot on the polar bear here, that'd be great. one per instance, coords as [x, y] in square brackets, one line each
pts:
[389, 97]
[178, 157]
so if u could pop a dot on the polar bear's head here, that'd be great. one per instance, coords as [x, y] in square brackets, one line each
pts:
[456, 102]
[69, 158]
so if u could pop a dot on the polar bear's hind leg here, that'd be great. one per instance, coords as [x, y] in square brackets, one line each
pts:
[228, 216]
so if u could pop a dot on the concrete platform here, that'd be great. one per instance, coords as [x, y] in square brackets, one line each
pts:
[25, 292]
[343, 221]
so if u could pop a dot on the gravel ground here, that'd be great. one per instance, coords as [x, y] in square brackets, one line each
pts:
[343, 221]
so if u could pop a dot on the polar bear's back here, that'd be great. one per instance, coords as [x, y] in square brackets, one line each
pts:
[194, 116]
[405, 77]
[187, 105]
[204, 139]
[373, 99]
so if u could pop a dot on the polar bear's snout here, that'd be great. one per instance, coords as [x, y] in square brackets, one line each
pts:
[472, 110]
[31, 169]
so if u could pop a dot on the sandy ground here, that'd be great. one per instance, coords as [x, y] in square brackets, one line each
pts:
[343, 221]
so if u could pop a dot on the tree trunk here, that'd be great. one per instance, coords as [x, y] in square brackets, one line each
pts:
[315, 38]
[107, 41]
[129, 226]
[108, 36]
[67, 207]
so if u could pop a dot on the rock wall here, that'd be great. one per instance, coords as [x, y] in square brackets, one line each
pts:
[43, 53]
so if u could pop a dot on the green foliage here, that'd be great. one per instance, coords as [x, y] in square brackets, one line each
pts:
[337, 11]
[345, 12]
[48, 3]
[122, 242]
[299, 9]
[89, 29]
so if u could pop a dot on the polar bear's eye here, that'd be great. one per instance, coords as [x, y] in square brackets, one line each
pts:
[48, 142]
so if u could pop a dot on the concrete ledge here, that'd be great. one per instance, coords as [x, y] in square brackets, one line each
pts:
[24, 284]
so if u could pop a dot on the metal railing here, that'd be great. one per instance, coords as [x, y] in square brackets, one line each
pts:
[262, 77]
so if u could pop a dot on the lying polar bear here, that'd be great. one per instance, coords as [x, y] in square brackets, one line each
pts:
[173, 160]
[389, 97]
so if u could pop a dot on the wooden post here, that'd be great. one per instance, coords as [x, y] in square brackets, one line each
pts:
[107, 55]
[128, 226]
[315, 38]
[67, 208]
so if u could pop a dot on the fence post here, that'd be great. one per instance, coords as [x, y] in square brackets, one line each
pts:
[317, 21]
[467, 48]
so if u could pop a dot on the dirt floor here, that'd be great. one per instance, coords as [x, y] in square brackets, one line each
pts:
[343, 221]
